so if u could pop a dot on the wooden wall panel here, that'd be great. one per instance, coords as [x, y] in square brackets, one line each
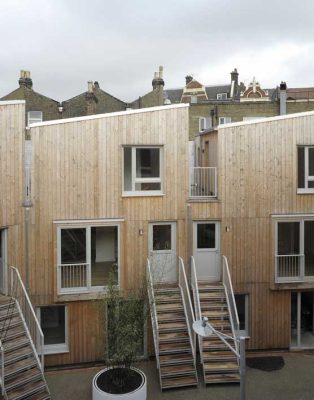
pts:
[12, 132]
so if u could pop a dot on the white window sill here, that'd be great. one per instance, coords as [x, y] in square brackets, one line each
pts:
[143, 194]
[56, 349]
[305, 191]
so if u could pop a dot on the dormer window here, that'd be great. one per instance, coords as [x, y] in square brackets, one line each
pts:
[222, 96]
[193, 99]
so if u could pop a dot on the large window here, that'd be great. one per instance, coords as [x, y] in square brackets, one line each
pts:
[53, 321]
[295, 250]
[34, 116]
[142, 170]
[88, 257]
[305, 169]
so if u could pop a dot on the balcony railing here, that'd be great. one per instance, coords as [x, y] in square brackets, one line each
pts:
[203, 182]
[74, 278]
[289, 268]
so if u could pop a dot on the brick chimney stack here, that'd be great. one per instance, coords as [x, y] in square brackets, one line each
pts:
[25, 79]
[188, 79]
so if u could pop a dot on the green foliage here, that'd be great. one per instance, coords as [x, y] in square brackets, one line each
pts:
[126, 317]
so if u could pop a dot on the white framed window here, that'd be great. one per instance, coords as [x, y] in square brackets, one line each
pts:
[294, 249]
[54, 324]
[204, 123]
[222, 96]
[242, 303]
[142, 170]
[34, 116]
[88, 257]
[305, 169]
[194, 99]
[224, 120]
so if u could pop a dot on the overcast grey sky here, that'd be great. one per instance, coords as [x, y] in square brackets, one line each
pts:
[120, 43]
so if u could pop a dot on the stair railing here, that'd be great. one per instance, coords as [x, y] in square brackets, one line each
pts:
[232, 307]
[17, 291]
[187, 305]
[3, 391]
[197, 303]
[153, 311]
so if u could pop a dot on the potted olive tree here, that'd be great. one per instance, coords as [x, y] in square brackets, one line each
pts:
[126, 316]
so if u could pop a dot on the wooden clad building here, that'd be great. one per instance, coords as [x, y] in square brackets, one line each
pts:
[105, 192]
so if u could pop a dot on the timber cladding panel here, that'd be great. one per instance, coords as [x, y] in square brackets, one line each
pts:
[77, 174]
[258, 178]
[12, 131]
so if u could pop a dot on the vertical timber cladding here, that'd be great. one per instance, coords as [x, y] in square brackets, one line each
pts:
[77, 174]
[12, 133]
[257, 178]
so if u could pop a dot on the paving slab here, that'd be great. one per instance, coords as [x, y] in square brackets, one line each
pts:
[295, 381]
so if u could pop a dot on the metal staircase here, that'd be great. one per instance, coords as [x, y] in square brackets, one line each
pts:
[172, 314]
[215, 301]
[21, 369]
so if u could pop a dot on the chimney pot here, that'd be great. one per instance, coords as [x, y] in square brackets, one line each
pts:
[25, 79]
[283, 86]
[161, 71]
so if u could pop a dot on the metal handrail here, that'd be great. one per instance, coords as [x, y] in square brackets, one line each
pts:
[17, 291]
[3, 391]
[187, 304]
[153, 311]
[232, 307]
[197, 303]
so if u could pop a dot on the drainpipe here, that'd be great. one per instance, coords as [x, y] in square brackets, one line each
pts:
[189, 238]
[283, 98]
[27, 203]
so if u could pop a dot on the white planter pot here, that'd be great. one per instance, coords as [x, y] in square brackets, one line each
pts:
[138, 394]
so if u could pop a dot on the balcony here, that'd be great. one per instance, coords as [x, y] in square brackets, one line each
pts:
[203, 182]
[294, 268]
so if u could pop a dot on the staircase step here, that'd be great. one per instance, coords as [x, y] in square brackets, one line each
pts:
[172, 326]
[8, 312]
[169, 307]
[15, 344]
[21, 365]
[175, 359]
[219, 367]
[216, 314]
[23, 378]
[9, 324]
[168, 383]
[44, 395]
[177, 370]
[173, 337]
[18, 354]
[222, 378]
[7, 303]
[161, 299]
[14, 333]
[218, 356]
[212, 295]
[207, 306]
[175, 347]
[171, 316]
[27, 390]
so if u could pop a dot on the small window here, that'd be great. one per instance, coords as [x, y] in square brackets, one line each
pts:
[224, 120]
[204, 123]
[206, 236]
[142, 170]
[194, 99]
[242, 303]
[222, 96]
[34, 116]
[53, 321]
[305, 169]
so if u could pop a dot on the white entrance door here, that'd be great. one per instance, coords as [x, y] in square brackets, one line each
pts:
[162, 251]
[206, 250]
[3, 258]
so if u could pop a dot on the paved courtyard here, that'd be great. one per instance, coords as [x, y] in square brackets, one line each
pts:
[295, 381]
